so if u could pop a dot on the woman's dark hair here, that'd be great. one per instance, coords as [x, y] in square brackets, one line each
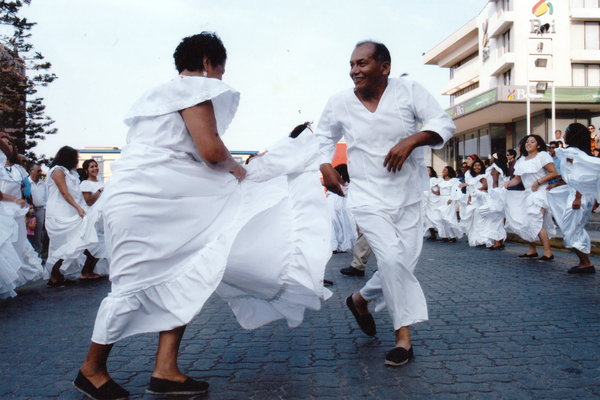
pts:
[192, 51]
[451, 171]
[342, 169]
[512, 152]
[579, 136]
[433, 173]
[473, 173]
[299, 129]
[502, 163]
[540, 142]
[66, 157]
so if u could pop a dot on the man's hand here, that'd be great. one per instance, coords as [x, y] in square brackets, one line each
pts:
[332, 179]
[400, 152]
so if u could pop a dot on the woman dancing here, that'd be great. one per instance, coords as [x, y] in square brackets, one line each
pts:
[470, 219]
[527, 211]
[165, 261]
[445, 214]
[570, 208]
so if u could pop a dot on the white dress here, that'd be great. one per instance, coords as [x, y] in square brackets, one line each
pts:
[9, 258]
[491, 211]
[523, 208]
[343, 232]
[470, 217]
[431, 217]
[30, 267]
[177, 230]
[449, 226]
[560, 199]
[97, 250]
[70, 235]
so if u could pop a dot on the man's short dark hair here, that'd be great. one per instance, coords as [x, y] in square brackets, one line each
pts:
[512, 152]
[381, 53]
[33, 165]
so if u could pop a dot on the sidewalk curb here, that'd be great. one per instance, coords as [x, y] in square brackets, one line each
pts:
[556, 243]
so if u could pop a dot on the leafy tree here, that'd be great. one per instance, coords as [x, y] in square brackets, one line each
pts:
[22, 71]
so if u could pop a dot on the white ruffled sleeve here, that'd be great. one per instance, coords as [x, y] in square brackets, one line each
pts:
[185, 92]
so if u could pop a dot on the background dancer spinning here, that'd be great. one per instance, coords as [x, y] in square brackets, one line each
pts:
[379, 121]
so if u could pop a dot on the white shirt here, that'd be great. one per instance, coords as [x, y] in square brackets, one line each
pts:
[370, 136]
[39, 192]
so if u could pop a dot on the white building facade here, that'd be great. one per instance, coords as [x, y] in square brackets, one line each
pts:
[552, 46]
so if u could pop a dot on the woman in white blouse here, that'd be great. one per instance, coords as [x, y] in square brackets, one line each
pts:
[92, 187]
[535, 168]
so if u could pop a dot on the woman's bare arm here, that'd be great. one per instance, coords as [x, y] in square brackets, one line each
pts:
[59, 177]
[202, 125]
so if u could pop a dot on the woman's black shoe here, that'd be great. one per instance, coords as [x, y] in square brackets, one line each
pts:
[109, 391]
[528, 256]
[165, 386]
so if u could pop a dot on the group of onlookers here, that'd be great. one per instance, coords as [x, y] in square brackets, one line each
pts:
[34, 209]
[548, 184]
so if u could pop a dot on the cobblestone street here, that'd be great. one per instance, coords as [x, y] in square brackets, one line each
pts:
[499, 328]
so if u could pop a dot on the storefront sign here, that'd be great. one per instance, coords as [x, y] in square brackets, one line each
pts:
[562, 95]
[476, 103]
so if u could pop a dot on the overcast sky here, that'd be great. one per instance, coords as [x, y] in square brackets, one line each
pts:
[286, 58]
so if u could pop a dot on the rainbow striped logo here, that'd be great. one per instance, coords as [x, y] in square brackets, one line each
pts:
[511, 94]
[542, 7]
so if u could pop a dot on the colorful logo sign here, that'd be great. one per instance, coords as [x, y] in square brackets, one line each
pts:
[511, 94]
[542, 7]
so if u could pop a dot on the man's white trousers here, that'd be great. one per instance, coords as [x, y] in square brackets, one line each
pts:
[396, 237]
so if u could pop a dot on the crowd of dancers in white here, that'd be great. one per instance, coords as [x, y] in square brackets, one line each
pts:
[488, 202]
[261, 235]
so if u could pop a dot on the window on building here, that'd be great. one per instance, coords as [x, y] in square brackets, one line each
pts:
[585, 3]
[591, 36]
[453, 96]
[506, 78]
[504, 5]
[585, 75]
[462, 62]
[504, 45]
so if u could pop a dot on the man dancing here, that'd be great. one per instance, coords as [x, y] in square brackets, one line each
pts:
[379, 120]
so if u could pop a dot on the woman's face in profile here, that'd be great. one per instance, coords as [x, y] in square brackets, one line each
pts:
[444, 172]
[215, 72]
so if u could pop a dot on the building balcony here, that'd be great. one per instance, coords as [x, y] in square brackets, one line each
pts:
[585, 56]
[500, 25]
[459, 45]
[464, 76]
[504, 63]
[585, 14]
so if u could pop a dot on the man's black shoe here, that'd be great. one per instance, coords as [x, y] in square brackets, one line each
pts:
[351, 271]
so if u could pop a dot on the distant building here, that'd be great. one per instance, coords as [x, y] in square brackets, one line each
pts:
[493, 57]
[104, 156]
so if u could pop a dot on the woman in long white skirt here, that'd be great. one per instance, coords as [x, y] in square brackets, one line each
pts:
[571, 208]
[492, 211]
[30, 267]
[470, 219]
[431, 218]
[444, 215]
[344, 232]
[527, 211]
[179, 224]
[70, 230]
[92, 189]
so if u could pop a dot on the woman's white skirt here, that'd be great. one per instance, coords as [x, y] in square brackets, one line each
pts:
[571, 222]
